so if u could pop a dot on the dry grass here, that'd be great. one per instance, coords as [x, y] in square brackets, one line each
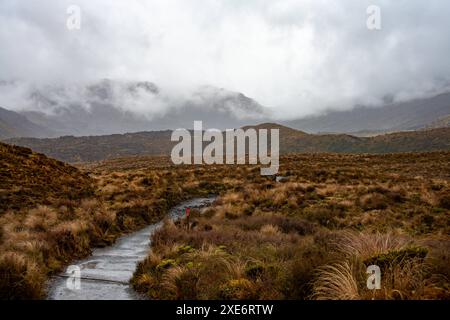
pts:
[365, 245]
[260, 240]
[52, 213]
[20, 278]
[314, 234]
[336, 282]
[405, 272]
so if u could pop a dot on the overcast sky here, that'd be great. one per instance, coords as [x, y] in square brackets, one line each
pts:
[295, 56]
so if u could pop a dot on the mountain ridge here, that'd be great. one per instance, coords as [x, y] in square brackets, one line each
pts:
[97, 148]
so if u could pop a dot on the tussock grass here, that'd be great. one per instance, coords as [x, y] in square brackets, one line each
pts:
[313, 235]
[20, 278]
[329, 218]
[336, 282]
[364, 245]
[406, 273]
[52, 213]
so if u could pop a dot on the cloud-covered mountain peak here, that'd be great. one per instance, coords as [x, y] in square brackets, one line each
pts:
[112, 106]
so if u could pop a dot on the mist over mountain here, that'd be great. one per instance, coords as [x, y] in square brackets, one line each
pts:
[13, 124]
[410, 115]
[108, 107]
[113, 107]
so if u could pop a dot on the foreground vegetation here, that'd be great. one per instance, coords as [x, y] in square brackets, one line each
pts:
[310, 235]
[52, 213]
[313, 234]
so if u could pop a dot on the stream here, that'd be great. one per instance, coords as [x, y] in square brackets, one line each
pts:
[106, 273]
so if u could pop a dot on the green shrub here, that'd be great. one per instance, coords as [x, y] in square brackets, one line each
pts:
[166, 264]
[237, 289]
[254, 270]
[397, 257]
[185, 249]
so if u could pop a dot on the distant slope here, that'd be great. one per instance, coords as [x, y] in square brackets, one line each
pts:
[284, 131]
[94, 148]
[443, 122]
[28, 179]
[414, 141]
[13, 124]
[411, 115]
[81, 149]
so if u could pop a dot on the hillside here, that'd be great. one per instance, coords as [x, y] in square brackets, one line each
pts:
[13, 125]
[443, 122]
[95, 148]
[409, 141]
[28, 179]
[284, 131]
[409, 115]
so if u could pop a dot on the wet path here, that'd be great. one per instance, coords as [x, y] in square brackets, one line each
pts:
[105, 274]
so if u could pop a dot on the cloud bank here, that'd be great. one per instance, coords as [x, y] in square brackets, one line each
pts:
[295, 57]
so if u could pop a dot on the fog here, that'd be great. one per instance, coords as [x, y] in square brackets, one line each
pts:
[295, 57]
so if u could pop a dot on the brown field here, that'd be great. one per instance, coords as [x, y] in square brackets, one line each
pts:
[309, 236]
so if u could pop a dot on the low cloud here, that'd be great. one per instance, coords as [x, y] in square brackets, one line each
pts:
[295, 57]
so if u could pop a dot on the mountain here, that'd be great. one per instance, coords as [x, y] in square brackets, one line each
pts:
[410, 115]
[13, 124]
[217, 108]
[28, 178]
[109, 107]
[95, 148]
[284, 131]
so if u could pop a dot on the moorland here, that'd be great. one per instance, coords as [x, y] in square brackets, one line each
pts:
[309, 234]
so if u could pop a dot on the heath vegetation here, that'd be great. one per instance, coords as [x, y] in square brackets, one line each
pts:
[309, 235]
[312, 234]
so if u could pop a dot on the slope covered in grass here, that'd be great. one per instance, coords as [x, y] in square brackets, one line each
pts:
[28, 179]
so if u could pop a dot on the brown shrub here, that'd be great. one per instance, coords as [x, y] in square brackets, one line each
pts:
[373, 201]
[444, 200]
